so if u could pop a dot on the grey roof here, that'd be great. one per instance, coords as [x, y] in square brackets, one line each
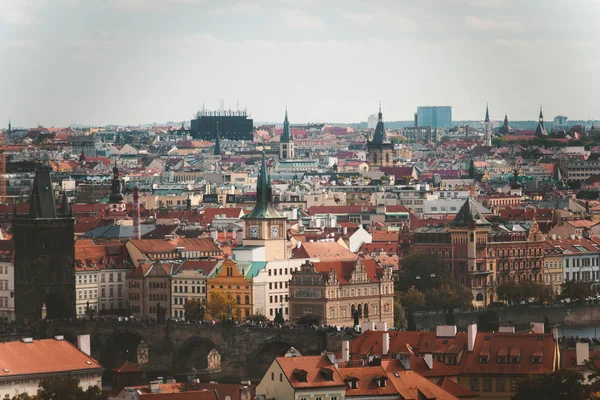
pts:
[471, 212]
[118, 231]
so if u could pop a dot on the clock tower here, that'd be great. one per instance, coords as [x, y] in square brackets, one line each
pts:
[264, 226]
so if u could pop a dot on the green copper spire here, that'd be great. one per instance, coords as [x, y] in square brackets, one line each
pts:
[487, 113]
[286, 136]
[264, 196]
[217, 151]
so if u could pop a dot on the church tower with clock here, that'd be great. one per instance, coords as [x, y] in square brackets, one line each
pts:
[44, 255]
[265, 229]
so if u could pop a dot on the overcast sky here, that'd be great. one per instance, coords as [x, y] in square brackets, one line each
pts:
[139, 61]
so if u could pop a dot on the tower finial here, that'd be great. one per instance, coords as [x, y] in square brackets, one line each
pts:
[380, 114]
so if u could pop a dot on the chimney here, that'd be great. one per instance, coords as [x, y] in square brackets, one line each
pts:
[385, 344]
[367, 326]
[582, 352]
[506, 329]
[471, 337]
[154, 386]
[445, 331]
[537, 327]
[83, 342]
[136, 213]
[428, 360]
[381, 326]
[345, 351]
[299, 244]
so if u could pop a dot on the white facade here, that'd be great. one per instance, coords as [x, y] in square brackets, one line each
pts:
[249, 253]
[86, 287]
[270, 287]
[584, 267]
[111, 289]
[7, 288]
[358, 238]
[186, 285]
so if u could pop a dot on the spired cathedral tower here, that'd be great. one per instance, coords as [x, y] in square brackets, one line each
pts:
[286, 143]
[44, 255]
[487, 136]
[380, 151]
[264, 226]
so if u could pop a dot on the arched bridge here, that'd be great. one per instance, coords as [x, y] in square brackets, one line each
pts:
[179, 349]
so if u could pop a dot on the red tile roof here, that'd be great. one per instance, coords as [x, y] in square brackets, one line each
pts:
[324, 251]
[43, 357]
[455, 389]
[127, 367]
[312, 365]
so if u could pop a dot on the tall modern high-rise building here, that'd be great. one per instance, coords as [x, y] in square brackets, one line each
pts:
[435, 116]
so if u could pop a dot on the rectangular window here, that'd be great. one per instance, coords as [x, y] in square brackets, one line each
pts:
[487, 385]
[500, 385]
[474, 384]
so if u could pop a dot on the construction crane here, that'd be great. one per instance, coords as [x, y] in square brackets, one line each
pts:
[3, 166]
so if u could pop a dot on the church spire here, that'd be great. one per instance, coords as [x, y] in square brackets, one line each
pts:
[286, 136]
[264, 195]
[541, 115]
[380, 115]
[217, 150]
[380, 136]
[487, 113]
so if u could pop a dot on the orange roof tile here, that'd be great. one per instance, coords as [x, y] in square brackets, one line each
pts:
[312, 365]
[43, 356]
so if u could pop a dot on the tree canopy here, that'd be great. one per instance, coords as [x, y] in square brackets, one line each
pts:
[63, 388]
[559, 385]
[223, 306]
[193, 311]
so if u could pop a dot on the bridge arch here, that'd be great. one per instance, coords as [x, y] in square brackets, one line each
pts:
[259, 361]
[197, 355]
[122, 345]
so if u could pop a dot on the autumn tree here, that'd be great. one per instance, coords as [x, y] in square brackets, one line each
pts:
[223, 306]
[193, 311]
[411, 300]
[399, 315]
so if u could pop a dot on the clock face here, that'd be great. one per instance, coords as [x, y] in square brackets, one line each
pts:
[254, 231]
[274, 231]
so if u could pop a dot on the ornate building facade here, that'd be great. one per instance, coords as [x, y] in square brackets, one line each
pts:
[338, 290]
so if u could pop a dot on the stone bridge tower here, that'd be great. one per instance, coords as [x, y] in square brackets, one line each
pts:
[44, 255]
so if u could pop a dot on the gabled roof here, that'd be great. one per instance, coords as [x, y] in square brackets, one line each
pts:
[127, 367]
[469, 213]
[312, 366]
[324, 251]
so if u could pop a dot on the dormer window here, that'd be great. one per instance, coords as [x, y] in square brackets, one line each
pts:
[381, 381]
[327, 374]
[536, 359]
[300, 375]
[352, 382]
[485, 359]
[501, 360]
[514, 360]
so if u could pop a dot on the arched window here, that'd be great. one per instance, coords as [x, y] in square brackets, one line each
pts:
[360, 310]
[247, 299]
[237, 298]
[353, 309]
[387, 157]
[375, 158]
[479, 297]
[366, 310]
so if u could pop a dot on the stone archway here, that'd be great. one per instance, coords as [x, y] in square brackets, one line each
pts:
[197, 356]
[259, 361]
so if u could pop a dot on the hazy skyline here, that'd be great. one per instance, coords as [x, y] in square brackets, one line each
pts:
[100, 62]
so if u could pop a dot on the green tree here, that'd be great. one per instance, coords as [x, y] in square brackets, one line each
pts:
[399, 315]
[576, 291]
[194, 311]
[63, 388]
[559, 385]
[223, 307]
[310, 320]
[411, 300]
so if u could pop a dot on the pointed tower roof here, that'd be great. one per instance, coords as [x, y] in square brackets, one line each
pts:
[41, 203]
[487, 113]
[264, 196]
[217, 150]
[541, 128]
[505, 129]
[380, 135]
[115, 194]
[286, 136]
[470, 213]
